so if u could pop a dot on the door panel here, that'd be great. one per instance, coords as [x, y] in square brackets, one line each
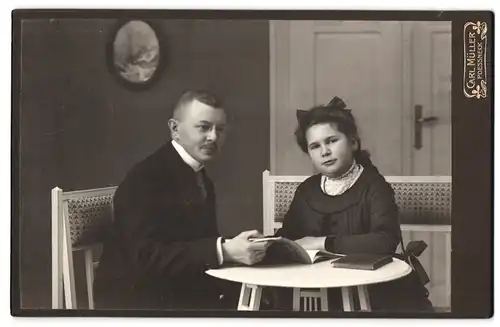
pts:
[431, 87]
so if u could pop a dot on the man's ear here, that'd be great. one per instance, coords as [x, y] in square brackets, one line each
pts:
[173, 125]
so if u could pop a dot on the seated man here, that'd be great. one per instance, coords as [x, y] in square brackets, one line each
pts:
[164, 235]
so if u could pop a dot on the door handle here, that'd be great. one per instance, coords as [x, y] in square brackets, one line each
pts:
[419, 122]
[427, 119]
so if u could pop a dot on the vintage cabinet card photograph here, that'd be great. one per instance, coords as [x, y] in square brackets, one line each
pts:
[252, 163]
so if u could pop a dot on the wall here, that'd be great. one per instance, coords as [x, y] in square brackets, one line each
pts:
[80, 129]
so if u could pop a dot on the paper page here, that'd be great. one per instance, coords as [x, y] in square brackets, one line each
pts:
[321, 255]
[287, 251]
[312, 254]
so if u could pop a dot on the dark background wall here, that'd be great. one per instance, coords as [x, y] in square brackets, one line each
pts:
[80, 129]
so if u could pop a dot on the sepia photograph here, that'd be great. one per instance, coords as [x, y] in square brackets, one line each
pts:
[215, 164]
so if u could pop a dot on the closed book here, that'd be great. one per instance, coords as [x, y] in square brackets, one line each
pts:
[364, 261]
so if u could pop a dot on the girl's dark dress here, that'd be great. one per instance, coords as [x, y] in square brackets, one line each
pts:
[363, 219]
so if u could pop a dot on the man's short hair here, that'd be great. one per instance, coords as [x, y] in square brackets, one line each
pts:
[199, 95]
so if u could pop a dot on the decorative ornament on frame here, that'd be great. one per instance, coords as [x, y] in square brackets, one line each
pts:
[475, 66]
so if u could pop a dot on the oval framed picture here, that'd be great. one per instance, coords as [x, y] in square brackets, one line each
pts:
[135, 53]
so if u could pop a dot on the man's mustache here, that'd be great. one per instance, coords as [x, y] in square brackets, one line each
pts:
[210, 146]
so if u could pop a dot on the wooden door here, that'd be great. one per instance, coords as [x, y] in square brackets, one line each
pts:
[431, 90]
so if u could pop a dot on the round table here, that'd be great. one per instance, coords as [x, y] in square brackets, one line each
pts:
[305, 278]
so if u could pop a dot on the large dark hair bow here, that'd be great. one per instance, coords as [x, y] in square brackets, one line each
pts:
[335, 104]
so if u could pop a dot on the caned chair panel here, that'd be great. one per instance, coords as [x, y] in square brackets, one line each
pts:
[422, 200]
[80, 220]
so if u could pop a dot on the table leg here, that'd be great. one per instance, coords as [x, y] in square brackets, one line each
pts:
[296, 299]
[347, 299]
[364, 298]
[249, 297]
[324, 299]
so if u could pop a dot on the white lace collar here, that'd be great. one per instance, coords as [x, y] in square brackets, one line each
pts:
[338, 185]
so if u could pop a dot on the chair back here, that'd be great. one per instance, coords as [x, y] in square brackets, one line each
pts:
[421, 199]
[80, 222]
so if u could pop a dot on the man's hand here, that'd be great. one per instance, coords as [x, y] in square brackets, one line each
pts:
[312, 243]
[241, 250]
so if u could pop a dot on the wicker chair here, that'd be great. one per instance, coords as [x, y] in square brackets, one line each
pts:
[80, 220]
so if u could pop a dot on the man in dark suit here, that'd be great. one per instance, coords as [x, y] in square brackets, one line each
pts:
[164, 235]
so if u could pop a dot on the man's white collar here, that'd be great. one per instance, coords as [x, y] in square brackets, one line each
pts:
[188, 159]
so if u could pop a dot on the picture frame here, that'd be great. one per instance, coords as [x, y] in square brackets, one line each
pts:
[135, 53]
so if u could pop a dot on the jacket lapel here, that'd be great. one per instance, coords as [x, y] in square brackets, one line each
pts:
[185, 184]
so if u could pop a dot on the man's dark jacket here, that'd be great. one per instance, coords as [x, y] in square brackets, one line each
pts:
[162, 241]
